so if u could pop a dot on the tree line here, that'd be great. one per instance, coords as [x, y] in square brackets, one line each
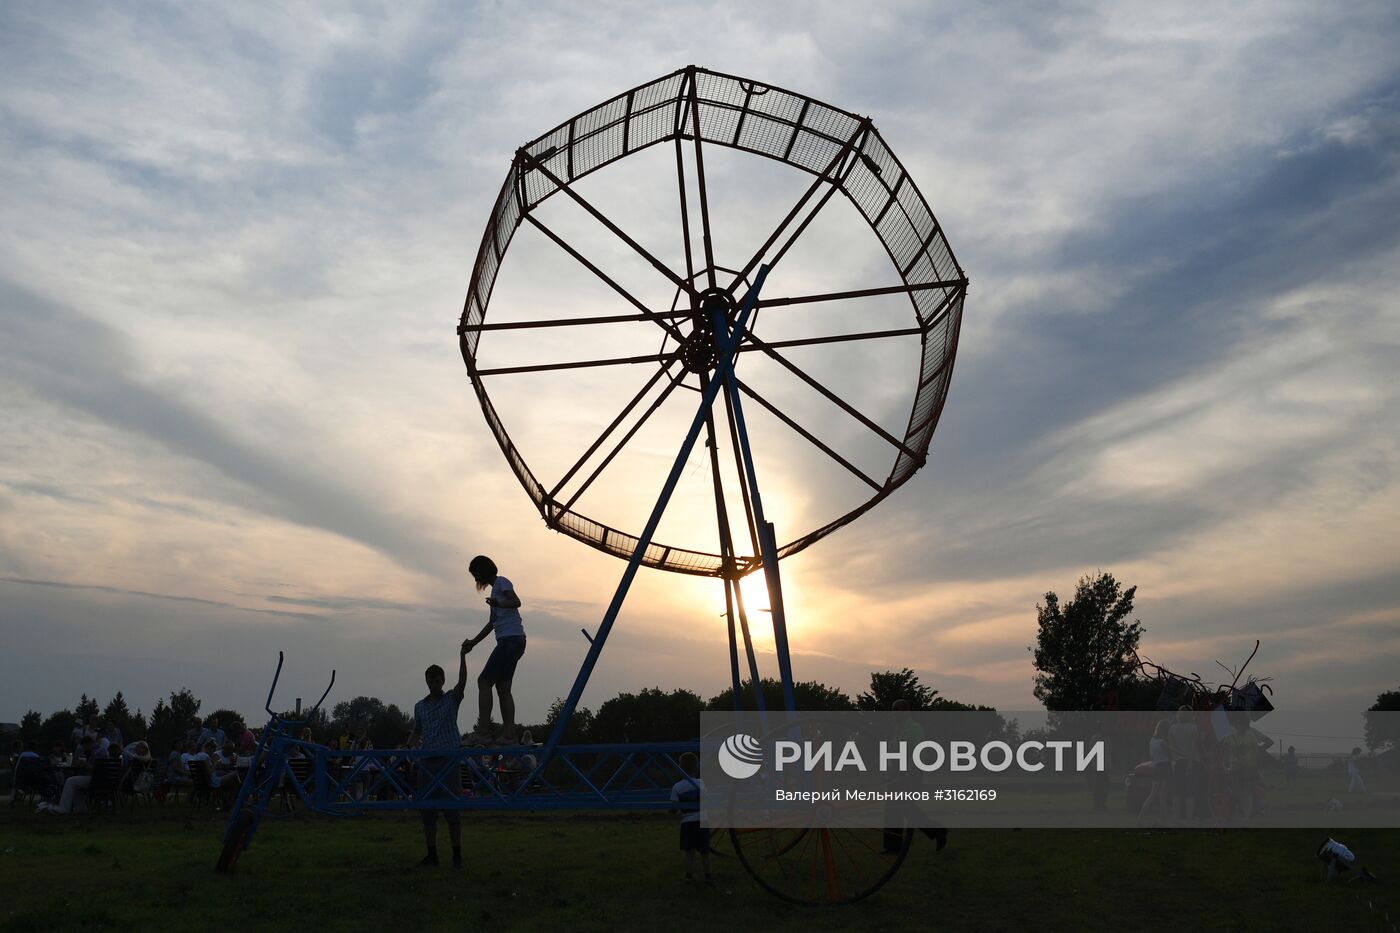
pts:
[1085, 658]
[168, 720]
[649, 715]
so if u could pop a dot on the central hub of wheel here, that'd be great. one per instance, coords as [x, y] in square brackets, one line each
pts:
[700, 353]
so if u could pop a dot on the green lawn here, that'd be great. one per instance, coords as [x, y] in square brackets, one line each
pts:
[153, 870]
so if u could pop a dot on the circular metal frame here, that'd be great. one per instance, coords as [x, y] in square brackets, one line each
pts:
[844, 152]
[819, 865]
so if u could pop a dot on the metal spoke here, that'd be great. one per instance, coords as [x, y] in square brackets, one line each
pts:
[802, 227]
[831, 396]
[861, 293]
[836, 338]
[825, 176]
[631, 299]
[568, 322]
[700, 180]
[656, 264]
[685, 213]
[651, 410]
[627, 410]
[579, 364]
[766, 303]
[808, 435]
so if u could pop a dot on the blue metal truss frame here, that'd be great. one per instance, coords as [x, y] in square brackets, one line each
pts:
[634, 775]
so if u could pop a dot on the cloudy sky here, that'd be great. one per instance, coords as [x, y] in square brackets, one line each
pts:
[235, 241]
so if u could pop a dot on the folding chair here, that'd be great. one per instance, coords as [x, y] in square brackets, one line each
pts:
[28, 780]
[106, 783]
[200, 788]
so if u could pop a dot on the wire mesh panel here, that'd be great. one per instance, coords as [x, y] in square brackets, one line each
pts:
[846, 150]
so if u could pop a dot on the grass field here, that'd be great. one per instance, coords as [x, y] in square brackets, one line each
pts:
[153, 870]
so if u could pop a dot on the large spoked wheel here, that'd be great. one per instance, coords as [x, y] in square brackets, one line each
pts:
[821, 865]
[847, 384]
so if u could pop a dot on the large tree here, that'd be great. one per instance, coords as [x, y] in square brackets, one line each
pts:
[356, 714]
[184, 705]
[579, 729]
[132, 726]
[58, 727]
[888, 686]
[163, 729]
[87, 709]
[650, 715]
[386, 726]
[169, 721]
[227, 719]
[1084, 650]
[1383, 722]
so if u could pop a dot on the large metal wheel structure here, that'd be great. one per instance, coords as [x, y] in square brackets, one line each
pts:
[689, 111]
[709, 336]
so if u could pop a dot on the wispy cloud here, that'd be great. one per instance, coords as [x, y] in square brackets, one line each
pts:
[84, 366]
[213, 603]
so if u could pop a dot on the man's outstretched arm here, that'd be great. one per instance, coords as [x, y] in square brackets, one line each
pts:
[462, 669]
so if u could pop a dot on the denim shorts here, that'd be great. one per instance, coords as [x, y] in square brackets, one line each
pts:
[500, 667]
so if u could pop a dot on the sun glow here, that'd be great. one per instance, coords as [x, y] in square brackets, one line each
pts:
[754, 588]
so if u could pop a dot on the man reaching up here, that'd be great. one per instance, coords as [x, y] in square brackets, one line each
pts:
[435, 727]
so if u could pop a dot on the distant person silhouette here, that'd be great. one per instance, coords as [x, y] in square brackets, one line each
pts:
[903, 816]
[689, 793]
[1184, 742]
[1355, 782]
[1244, 748]
[1158, 751]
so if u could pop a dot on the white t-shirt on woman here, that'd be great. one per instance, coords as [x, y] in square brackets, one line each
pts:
[505, 622]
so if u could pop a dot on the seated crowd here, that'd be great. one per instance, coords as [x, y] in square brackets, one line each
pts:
[98, 765]
[205, 761]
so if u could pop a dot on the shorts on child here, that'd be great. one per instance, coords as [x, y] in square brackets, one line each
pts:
[500, 667]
